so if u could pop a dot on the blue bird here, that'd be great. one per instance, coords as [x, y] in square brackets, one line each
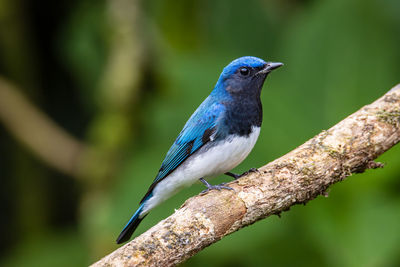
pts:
[216, 138]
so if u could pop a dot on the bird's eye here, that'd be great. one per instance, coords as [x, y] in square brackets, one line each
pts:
[244, 71]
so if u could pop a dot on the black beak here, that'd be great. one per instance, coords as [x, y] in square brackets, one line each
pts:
[270, 66]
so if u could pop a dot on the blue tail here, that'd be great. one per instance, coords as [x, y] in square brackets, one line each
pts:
[131, 226]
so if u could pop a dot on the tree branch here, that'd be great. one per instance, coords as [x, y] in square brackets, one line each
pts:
[298, 177]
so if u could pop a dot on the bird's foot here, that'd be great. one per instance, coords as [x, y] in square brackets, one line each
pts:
[237, 176]
[251, 170]
[211, 187]
[234, 175]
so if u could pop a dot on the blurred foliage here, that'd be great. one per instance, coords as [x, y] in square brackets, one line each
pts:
[123, 77]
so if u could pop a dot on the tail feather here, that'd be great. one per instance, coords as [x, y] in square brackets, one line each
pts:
[131, 226]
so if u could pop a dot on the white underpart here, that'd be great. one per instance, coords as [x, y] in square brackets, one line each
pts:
[204, 163]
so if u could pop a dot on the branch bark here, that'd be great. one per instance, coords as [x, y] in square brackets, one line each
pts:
[298, 177]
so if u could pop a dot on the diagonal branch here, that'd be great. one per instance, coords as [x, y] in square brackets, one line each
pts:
[298, 177]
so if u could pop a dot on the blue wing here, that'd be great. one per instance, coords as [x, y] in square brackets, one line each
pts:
[195, 133]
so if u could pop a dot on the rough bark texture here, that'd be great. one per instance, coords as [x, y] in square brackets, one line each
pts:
[298, 177]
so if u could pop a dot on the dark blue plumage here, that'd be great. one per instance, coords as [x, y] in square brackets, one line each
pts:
[131, 226]
[216, 138]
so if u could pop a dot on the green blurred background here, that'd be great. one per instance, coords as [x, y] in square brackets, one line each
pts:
[111, 83]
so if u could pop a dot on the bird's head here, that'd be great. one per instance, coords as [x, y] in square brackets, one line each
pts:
[245, 75]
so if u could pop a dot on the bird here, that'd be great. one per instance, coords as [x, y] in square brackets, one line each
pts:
[217, 137]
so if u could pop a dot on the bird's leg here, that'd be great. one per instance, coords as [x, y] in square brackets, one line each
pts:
[211, 187]
[234, 175]
[252, 170]
[237, 176]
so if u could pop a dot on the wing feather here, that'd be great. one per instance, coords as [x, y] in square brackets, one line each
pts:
[196, 132]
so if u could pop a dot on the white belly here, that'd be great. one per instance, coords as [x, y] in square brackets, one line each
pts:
[207, 162]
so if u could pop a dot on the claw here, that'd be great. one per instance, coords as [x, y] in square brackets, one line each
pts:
[211, 187]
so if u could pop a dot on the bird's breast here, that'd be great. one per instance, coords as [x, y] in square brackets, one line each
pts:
[221, 156]
[214, 158]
